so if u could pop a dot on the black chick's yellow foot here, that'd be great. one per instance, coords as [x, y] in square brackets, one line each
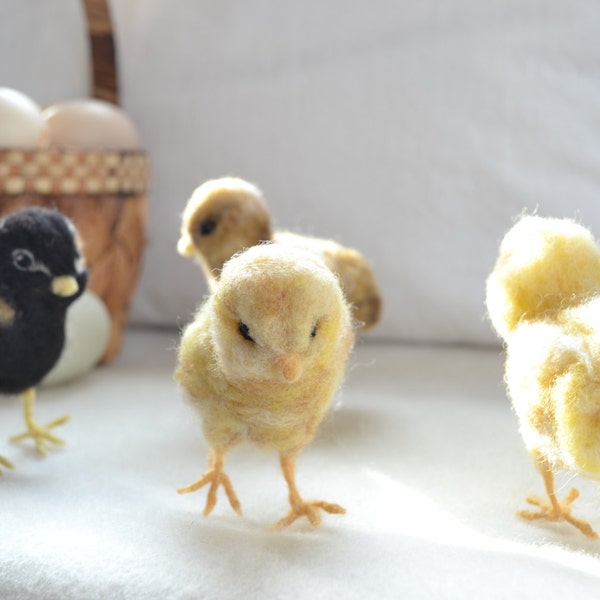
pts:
[558, 511]
[216, 477]
[300, 508]
[41, 434]
[6, 463]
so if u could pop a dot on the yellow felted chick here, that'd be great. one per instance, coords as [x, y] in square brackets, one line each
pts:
[262, 360]
[543, 298]
[225, 216]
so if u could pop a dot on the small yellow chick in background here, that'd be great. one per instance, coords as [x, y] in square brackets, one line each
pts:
[225, 216]
[543, 298]
[261, 361]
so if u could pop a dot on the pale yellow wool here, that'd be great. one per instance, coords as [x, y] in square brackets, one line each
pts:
[241, 218]
[544, 265]
[273, 389]
[543, 298]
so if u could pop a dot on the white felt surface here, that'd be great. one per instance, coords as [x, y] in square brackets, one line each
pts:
[414, 131]
[422, 450]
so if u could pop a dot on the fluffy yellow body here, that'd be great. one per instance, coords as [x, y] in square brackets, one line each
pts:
[273, 414]
[553, 377]
[267, 351]
[543, 298]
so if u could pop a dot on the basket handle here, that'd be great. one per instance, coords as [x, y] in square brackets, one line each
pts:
[104, 62]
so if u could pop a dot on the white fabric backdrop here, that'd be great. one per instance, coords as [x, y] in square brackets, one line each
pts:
[415, 132]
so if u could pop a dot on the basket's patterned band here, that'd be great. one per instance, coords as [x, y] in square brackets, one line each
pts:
[58, 172]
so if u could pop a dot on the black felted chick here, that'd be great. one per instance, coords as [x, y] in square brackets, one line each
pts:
[41, 273]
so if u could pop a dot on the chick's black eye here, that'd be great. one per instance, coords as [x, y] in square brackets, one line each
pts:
[207, 226]
[245, 332]
[313, 332]
[23, 260]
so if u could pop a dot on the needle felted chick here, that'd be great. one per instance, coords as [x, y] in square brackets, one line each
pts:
[543, 298]
[262, 360]
[41, 274]
[225, 216]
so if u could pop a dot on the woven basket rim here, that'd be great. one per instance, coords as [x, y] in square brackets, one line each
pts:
[65, 150]
[56, 171]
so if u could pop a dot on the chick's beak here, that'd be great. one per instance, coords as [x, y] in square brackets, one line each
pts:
[290, 366]
[64, 286]
[185, 247]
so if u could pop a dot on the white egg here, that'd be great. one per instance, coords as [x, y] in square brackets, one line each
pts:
[90, 125]
[21, 121]
[87, 330]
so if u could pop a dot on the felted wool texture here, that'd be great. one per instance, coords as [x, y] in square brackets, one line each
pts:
[37, 247]
[234, 206]
[544, 300]
[267, 350]
[227, 215]
[544, 265]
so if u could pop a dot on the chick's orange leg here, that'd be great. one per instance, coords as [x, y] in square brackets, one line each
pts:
[299, 508]
[216, 477]
[555, 510]
[39, 433]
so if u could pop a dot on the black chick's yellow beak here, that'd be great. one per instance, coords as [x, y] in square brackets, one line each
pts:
[64, 286]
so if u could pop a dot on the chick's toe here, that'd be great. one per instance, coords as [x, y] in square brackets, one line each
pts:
[39, 433]
[558, 511]
[311, 510]
[216, 477]
[552, 509]
[299, 507]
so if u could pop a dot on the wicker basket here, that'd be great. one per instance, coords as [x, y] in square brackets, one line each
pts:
[104, 193]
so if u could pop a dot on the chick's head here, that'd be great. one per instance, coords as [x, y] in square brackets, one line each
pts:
[40, 259]
[278, 314]
[222, 217]
[544, 265]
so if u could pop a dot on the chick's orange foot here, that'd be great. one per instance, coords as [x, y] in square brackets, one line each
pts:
[216, 477]
[552, 510]
[299, 508]
[311, 510]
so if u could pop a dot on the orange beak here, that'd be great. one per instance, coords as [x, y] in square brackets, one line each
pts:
[290, 366]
